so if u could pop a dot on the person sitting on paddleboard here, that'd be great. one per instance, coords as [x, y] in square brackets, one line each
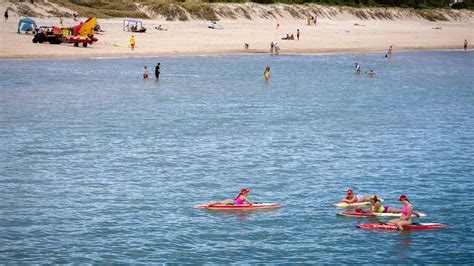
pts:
[378, 207]
[351, 198]
[407, 211]
[239, 200]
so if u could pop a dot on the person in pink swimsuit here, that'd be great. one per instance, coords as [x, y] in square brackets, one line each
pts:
[407, 211]
[240, 199]
[351, 198]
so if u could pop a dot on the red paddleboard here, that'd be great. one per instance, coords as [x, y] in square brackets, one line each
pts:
[415, 226]
[257, 206]
[373, 214]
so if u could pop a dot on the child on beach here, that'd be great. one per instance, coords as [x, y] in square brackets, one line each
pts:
[132, 42]
[239, 200]
[145, 73]
[272, 46]
[266, 74]
[465, 45]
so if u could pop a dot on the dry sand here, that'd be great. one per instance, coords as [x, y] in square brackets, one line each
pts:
[194, 37]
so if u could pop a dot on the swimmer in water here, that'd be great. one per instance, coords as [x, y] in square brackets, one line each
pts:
[357, 67]
[266, 74]
[145, 73]
[371, 73]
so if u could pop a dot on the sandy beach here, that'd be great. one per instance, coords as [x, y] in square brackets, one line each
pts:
[338, 34]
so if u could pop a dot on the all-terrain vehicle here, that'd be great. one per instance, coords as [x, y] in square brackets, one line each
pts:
[48, 34]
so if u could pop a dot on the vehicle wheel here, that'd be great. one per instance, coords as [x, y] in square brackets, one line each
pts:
[35, 40]
[76, 44]
[84, 44]
[40, 41]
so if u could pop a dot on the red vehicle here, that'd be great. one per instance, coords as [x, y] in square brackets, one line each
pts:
[82, 33]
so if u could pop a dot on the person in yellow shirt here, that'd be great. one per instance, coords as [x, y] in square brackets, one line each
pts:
[132, 42]
[266, 74]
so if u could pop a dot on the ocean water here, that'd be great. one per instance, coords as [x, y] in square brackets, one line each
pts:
[98, 165]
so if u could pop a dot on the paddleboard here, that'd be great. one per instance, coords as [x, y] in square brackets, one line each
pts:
[256, 206]
[373, 214]
[414, 226]
[345, 204]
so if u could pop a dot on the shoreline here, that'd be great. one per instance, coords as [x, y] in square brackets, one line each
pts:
[107, 56]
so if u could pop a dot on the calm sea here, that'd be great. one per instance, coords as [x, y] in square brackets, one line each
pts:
[98, 165]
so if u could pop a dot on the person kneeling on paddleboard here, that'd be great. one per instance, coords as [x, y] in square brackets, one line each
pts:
[407, 211]
[239, 200]
[351, 198]
[378, 207]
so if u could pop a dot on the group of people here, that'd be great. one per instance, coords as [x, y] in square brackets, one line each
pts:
[406, 211]
[157, 72]
[274, 48]
[134, 28]
[311, 19]
[370, 73]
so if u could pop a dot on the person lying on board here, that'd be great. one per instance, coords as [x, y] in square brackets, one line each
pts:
[239, 200]
[407, 211]
[378, 207]
[351, 198]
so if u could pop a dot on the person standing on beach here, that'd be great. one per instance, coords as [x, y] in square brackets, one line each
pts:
[132, 42]
[277, 48]
[145, 73]
[157, 71]
[315, 19]
[298, 34]
[465, 45]
[266, 73]
[61, 21]
[389, 53]
[6, 15]
[272, 46]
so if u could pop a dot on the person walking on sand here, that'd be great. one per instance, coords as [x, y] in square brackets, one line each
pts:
[389, 53]
[298, 34]
[465, 45]
[145, 72]
[266, 73]
[157, 71]
[272, 46]
[277, 48]
[132, 42]
[6, 15]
